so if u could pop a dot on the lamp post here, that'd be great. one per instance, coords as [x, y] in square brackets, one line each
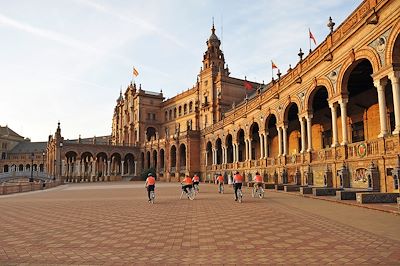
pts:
[43, 154]
[32, 157]
[60, 173]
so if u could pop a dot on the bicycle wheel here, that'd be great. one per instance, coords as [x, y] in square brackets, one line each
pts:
[240, 195]
[152, 196]
[222, 189]
[191, 195]
[253, 192]
[261, 194]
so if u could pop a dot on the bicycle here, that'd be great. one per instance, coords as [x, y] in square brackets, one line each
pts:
[239, 194]
[190, 194]
[257, 191]
[221, 188]
[152, 196]
[196, 189]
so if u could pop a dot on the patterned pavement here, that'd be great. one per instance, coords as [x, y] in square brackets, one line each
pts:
[113, 224]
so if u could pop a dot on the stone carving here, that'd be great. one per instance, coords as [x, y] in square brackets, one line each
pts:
[379, 45]
[333, 76]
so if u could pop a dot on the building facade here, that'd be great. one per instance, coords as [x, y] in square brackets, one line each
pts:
[332, 120]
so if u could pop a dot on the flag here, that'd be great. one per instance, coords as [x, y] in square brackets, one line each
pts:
[247, 85]
[135, 72]
[312, 37]
[273, 65]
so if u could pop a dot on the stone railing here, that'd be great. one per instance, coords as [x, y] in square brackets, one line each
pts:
[10, 188]
[363, 149]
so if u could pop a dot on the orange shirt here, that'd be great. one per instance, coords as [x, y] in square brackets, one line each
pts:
[196, 178]
[220, 178]
[151, 181]
[187, 180]
[258, 179]
[238, 178]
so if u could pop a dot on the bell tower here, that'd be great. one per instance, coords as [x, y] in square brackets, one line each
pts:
[213, 57]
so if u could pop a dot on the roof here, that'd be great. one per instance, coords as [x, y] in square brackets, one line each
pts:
[102, 140]
[6, 131]
[29, 147]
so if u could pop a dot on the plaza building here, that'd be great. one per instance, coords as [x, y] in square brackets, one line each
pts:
[332, 120]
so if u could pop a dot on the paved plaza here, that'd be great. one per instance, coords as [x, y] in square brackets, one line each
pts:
[112, 223]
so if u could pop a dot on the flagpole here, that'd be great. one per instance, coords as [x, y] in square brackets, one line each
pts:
[309, 38]
[272, 71]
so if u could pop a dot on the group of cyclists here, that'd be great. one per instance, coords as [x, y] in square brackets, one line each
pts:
[188, 183]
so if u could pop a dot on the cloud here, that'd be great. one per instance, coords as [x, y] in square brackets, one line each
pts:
[135, 20]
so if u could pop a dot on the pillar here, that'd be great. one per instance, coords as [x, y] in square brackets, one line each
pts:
[380, 86]
[279, 141]
[343, 114]
[335, 142]
[261, 145]
[266, 145]
[309, 134]
[249, 150]
[135, 165]
[394, 78]
[122, 167]
[285, 139]
[108, 167]
[303, 134]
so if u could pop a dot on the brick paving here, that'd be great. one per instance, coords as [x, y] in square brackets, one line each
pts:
[113, 224]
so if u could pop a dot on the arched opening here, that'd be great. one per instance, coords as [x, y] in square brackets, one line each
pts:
[86, 164]
[293, 129]
[154, 162]
[129, 164]
[272, 136]
[21, 167]
[185, 109]
[229, 148]
[150, 133]
[27, 167]
[170, 115]
[173, 158]
[5, 168]
[162, 160]
[255, 141]
[182, 156]
[180, 110]
[148, 164]
[362, 108]
[116, 164]
[321, 123]
[71, 167]
[209, 153]
[101, 166]
[241, 145]
[41, 168]
[35, 167]
[218, 146]
[190, 107]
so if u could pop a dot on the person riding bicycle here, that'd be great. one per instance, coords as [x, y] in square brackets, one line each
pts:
[196, 180]
[220, 182]
[150, 184]
[237, 183]
[186, 183]
[258, 181]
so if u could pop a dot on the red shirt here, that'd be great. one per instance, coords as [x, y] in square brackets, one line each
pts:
[258, 179]
[151, 181]
[187, 180]
[238, 178]
[220, 178]
[196, 178]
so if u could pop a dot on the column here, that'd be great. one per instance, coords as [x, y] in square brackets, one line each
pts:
[261, 145]
[213, 156]
[122, 167]
[303, 134]
[380, 86]
[279, 141]
[309, 134]
[343, 115]
[108, 167]
[266, 144]
[234, 152]
[249, 151]
[394, 78]
[135, 164]
[237, 152]
[285, 139]
[246, 149]
[206, 153]
[335, 142]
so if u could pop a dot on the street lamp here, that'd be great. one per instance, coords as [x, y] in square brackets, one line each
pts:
[43, 154]
[61, 145]
[32, 157]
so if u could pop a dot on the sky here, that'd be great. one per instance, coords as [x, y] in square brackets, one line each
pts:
[67, 60]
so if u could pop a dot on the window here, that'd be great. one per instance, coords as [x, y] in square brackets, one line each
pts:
[190, 107]
[3, 155]
[326, 138]
[357, 131]
[174, 112]
[166, 115]
[185, 109]
[180, 110]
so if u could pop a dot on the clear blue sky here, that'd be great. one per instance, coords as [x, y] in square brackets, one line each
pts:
[67, 60]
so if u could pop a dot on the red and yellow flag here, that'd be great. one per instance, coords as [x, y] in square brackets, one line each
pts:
[135, 72]
[273, 65]
[247, 85]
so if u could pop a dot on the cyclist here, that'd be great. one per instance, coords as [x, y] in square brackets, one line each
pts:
[220, 182]
[196, 180]
[258, 181]
[186, 183]
[150, 184]
[237, 183]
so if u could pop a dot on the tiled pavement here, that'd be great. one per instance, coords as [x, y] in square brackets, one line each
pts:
[112, 224]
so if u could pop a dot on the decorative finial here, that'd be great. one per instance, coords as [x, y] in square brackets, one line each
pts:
[331, 24]
[279, 74]
[300, 54]
[213, 28]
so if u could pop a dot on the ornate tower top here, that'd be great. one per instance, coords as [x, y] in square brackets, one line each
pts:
[213, 57]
